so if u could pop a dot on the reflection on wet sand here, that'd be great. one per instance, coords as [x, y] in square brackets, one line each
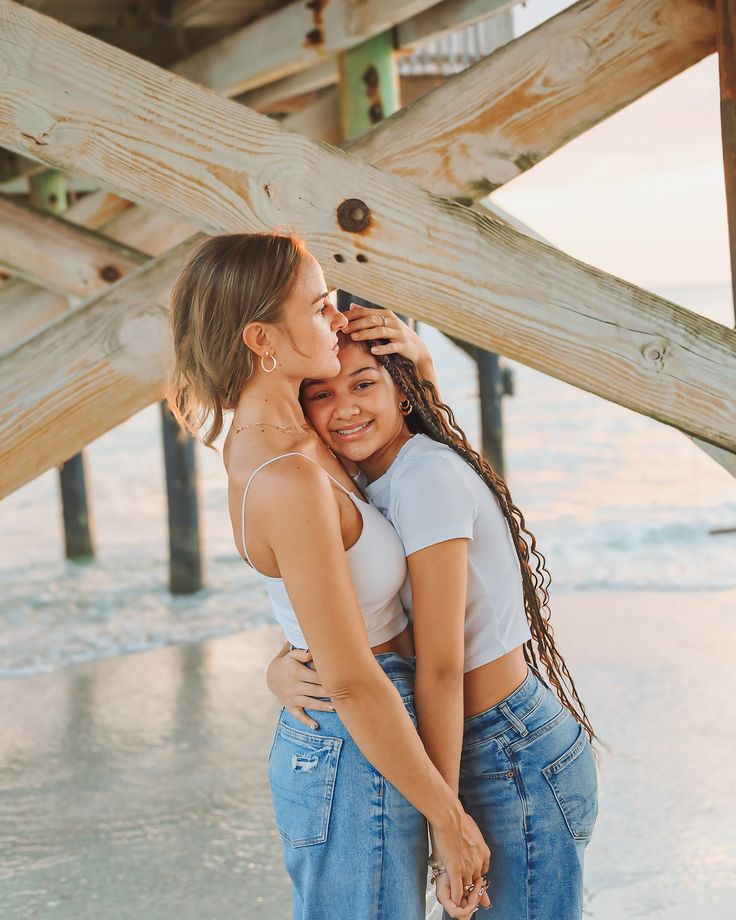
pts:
[136, 786]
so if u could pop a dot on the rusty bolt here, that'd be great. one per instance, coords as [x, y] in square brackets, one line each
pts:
[354, 215]
[53, 198]
[375, 113]
[370, 76]
[110, 273]
[314, 37]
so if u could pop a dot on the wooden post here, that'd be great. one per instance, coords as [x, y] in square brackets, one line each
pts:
[185, 554]
[369, 92]
[48, 193]
[726, 42]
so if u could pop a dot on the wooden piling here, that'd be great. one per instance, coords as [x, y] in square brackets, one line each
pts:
[726, 43]
[185, 553]
[48, 193]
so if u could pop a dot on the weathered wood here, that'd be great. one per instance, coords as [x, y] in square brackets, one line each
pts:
[726, 40]
[53, 253]
[305, 81]
[199, 13]
[446, 17]
[48, 193]
[185, 546]
[493, 121]
[102, 363]
[85, 14]
[542, 307]
[26, 308]
[95, 210]
[319, 121]
[291, 39]
[428, 25]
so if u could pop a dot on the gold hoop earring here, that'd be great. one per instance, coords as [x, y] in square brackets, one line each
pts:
[405, 407]
[268, 370]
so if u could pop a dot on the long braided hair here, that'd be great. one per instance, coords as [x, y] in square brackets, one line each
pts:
[432, 417]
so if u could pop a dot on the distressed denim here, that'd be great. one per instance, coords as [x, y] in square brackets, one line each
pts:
[528, 778]
[354, 847]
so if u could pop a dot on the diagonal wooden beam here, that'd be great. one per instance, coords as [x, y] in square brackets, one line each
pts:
[104, 361]
[227, 168]
[292, 39]
[53, 253]
[495, 120]
[24, 309]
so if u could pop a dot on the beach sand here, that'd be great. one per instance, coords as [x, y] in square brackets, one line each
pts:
[136, 786]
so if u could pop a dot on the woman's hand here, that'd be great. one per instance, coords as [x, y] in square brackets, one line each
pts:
[470, 902]
[366, 323]
[296, 685]
[463, 853]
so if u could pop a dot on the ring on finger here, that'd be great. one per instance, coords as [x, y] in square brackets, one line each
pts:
[470, 887]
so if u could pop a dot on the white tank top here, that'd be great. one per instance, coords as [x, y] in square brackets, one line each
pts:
[377, 566]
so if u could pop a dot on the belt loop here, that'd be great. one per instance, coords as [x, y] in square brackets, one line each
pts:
[514, 720]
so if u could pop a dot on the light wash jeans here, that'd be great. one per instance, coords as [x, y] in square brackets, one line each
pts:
[354, 847]
[528, 778]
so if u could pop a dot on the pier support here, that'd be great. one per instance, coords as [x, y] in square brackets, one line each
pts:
[48, 193]
[185, 550]
[726, 43]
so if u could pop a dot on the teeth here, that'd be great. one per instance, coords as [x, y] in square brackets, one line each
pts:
[352, 430]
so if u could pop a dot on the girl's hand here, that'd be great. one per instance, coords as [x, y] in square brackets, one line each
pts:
[470, 902]
[463, 852]
[365, 323]
[296, 685]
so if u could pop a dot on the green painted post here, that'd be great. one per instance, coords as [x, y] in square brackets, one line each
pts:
[48, 193]
[369, 85]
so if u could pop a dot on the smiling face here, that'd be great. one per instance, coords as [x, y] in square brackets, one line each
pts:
[357, 413]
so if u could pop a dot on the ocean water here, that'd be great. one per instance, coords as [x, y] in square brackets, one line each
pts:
[617, 502]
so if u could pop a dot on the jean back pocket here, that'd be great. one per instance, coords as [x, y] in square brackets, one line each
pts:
[574, 782]
[302, 769]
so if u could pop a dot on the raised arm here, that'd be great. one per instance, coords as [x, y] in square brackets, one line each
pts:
[299, 519]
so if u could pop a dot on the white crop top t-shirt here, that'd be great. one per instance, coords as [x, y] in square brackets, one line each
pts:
[377, 566]
[430, 494]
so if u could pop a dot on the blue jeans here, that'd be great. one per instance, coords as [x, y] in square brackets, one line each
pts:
[354, 847]
[528, 778]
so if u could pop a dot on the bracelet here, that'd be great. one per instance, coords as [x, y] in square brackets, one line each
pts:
[435, 863]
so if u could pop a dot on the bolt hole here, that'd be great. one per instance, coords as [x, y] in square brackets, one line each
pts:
[338, 257]
[361, 258]
[53, 198]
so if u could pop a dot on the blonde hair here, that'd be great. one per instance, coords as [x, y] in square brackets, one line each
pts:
[228, 282]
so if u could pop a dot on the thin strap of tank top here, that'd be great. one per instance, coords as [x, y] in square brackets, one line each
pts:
[294, 453]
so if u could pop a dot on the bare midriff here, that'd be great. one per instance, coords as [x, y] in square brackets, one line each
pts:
[403, 644]
[491, 683]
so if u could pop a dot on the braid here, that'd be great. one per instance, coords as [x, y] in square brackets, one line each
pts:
[436, 419]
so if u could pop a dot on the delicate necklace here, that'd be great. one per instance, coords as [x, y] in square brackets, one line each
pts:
[270, 425]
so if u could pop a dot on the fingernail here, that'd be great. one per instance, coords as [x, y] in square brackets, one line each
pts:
[332, 709]
[314, 726]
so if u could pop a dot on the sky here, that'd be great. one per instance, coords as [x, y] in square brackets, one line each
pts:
[642, 194]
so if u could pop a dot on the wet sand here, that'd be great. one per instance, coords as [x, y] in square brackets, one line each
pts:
[136, 786]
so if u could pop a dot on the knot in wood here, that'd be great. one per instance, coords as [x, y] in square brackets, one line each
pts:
[655, 352]
[110, 273]
[353, 215]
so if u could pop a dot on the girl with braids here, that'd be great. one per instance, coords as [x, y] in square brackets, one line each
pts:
[497, 709]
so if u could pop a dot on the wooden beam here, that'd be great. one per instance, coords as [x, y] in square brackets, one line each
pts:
[430, 24]
[197, 13]
[726, 31]
[446, 17]
[24, 309]
[464, 273]
[104, 362]
[291, 39]
[86, 14]
[319, 121]
[52, 253]
[495, 120]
